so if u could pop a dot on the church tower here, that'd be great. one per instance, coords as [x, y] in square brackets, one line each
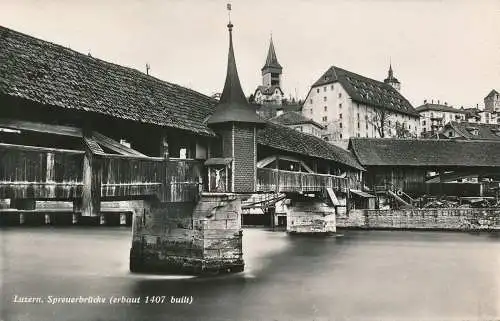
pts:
[236, 123]
[391, 80]
[271, 72]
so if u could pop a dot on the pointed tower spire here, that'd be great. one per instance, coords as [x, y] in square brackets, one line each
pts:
[272, 59]
[233, 105]
[391, 80]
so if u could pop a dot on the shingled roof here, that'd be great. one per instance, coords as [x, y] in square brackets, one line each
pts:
[272, 59]
[438, 107]
[287, 139]
[293, 118]
[53, 75]
[367, 91]
[425, 152]
[484, 131]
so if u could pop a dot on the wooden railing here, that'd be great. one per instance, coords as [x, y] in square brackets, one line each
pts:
[269, 179]
[43, 173]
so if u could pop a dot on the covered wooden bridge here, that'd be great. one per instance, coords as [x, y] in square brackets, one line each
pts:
[79, 130]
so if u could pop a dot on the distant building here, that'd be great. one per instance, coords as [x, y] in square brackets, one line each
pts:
[468, 131]
[298, 122]
[433, 117]
[492, 102]
[391, 80]
[267, 111]
[351, 105]
[270, 91]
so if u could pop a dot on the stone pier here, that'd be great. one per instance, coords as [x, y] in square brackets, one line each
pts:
[189, 238]
[310, 215]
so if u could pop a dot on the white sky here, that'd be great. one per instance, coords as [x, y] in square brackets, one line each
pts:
[440, 49]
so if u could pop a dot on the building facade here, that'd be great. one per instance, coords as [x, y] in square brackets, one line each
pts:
[433, 117]
[351, 105]
[492, 101]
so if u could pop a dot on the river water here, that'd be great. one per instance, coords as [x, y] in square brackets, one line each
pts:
[364, 275]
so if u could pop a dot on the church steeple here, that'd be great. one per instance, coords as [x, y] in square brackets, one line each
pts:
[271, 72]
[391, 80]
[233, 105]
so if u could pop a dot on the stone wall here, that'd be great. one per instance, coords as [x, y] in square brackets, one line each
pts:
[430, 218]
[189, 238]
[310, 217]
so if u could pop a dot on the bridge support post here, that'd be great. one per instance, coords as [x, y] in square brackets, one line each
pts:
[310, 215]
[189, 238]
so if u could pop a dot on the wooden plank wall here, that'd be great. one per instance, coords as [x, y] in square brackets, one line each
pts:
[42, 173]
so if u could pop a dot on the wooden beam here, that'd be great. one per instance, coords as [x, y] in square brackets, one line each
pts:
[114, 145]
[41, 127]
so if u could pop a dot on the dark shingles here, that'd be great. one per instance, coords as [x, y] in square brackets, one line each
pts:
[293, 118]
[287, 139]
[425, 152]
[367, 91]
[50, 74]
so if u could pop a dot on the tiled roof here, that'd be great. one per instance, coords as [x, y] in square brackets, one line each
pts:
[484, 131]
[53, 75]
[425, 152]
[272, 59]
[437, 107]
[367, 91]
[287, 139]
[293, 118]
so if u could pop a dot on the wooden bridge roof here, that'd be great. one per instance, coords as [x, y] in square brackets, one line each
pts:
[52, 75]
[425, 152]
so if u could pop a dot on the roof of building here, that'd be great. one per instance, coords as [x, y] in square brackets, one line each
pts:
[390, 77]
[53, 75]
[439, 107]
[367, 91]
[268, 90]
[493, 92]
[272, 59]
[288, 139]
[293, 118]
[233, 106]
[56, 76]
[467, 130]
[425, 152]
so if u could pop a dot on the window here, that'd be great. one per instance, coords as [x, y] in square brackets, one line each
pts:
[340, 125]
[340, 136]
[325, 108]
[340, 105]
[340, 116]
[340, 95]
[358, 124]
[325, 118]
[311, 111]
[367, 127]
[423, 122]
[317, 90]
[358, 135]
[310, 101]
[358, 116]
[324, 88]
[332, 87]
[324, 98]
[450, 134]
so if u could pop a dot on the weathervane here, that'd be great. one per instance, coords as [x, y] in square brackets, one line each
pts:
[229, 12]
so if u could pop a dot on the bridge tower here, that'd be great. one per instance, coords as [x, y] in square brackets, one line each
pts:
[236, 122]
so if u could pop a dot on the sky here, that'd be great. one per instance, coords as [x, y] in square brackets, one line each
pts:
[447, 50]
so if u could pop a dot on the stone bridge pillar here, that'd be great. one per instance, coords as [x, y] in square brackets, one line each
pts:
[189, 238]
[310, 215]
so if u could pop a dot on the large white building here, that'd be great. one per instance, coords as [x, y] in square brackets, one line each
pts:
[433, 117]
[351, 105]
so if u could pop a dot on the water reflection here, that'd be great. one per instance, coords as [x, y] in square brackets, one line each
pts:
[364, 275]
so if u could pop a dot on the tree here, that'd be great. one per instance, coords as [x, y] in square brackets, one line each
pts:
[381, 121]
